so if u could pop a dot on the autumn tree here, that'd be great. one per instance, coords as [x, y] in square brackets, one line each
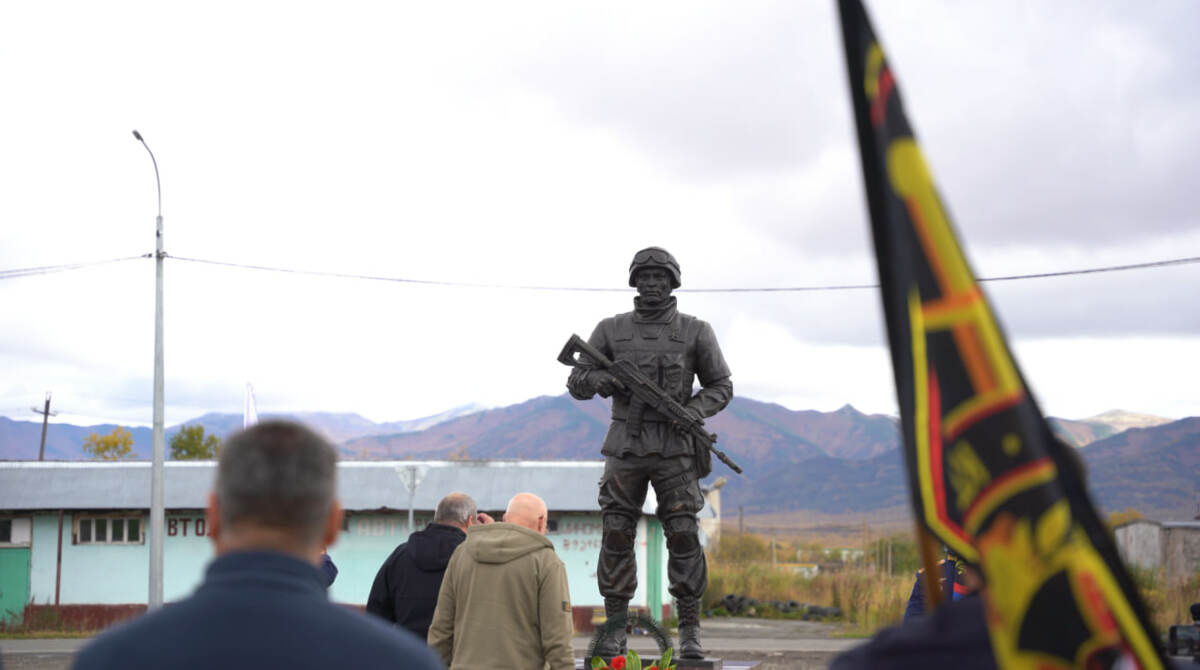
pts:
[191, 444]
[116, 446]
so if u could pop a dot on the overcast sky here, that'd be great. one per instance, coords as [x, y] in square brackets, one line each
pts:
[526, 143]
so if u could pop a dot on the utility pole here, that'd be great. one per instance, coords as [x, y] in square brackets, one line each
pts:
[411, 476]
[46, 414]
[157, 513]
[740, 527]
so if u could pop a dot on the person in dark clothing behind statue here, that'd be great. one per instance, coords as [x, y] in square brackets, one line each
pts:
[262, 603]
[642, 447]
[955, 583]
[406, 587]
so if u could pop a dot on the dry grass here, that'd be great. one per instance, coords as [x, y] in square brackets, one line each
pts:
[1167, 604]
[868, 600]
[828, 530]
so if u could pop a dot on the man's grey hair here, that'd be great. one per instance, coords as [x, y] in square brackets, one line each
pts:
[280, 474]
[456, 508]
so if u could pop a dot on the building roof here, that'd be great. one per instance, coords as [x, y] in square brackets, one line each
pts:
[1162, 524]
[566, 486]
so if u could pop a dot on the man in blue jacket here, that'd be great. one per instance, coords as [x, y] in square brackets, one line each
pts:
[405, 591]
[262, 603]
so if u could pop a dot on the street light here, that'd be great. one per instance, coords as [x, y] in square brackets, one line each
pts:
[156, 476]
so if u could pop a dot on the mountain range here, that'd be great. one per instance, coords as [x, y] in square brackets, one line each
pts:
[839, 461]
[20, 440]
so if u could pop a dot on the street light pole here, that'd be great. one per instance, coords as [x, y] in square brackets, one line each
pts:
[156, 477]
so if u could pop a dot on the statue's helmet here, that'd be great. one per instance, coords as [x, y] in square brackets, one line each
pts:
[655, 257]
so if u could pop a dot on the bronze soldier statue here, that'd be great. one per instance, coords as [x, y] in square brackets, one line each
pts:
[643, 446]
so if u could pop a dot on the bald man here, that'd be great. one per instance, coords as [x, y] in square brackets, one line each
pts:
[504, 601]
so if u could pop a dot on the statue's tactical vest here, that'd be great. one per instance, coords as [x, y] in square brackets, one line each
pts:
[662, 351]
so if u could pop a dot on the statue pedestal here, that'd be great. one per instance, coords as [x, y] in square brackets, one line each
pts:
[696, 663]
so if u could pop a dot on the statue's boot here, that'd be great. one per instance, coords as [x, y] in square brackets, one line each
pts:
[689, 628]
[614, 644]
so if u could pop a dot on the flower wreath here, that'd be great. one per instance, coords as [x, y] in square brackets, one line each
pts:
[631, 660]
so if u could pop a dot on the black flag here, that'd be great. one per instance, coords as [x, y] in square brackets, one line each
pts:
[987, 476]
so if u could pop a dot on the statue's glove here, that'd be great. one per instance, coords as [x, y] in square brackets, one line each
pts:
[604, 382]
[694, 413]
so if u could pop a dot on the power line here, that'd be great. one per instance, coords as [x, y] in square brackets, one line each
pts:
[424, 282]
[49, 269]
[765, 289]
[1109, 268]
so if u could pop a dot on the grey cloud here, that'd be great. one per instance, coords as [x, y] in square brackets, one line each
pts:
[712, 97]
[1053, 123]
[1139, 302]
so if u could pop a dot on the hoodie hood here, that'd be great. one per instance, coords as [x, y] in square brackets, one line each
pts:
[430, 549]
[502, 542]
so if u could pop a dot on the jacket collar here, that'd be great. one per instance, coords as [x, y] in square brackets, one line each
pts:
[662, 313]
[444, 529]
[242, 569]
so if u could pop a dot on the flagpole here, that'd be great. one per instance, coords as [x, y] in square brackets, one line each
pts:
[155, 595]
[927, 546]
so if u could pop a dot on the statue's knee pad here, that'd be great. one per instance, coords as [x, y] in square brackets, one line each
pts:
[618, 532]
[683, 535]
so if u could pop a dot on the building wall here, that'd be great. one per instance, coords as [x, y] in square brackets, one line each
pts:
[1140, 543]
[1182, 553]
[370, 538]
[116, 574]
[119, 574]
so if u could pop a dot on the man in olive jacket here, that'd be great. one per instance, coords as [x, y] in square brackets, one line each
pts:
[504, 601]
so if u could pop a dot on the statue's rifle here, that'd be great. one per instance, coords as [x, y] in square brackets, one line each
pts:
[638, 385]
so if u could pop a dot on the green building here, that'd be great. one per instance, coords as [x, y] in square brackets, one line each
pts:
[73, 534]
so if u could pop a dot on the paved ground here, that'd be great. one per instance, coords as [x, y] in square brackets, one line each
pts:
[772, 645]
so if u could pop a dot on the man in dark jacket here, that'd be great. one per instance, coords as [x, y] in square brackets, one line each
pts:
[262, 603]
[406, 587]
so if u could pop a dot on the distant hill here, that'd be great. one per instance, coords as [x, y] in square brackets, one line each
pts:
[560, 427]
[1120, 420]
[845, 433]
[1155, 470]
[771, 442]
[19, 440]
[542, 428]
[833, 462]
[1079, 433]
[1082, 432]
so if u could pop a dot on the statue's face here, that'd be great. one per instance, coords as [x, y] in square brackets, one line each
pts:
[653, 285]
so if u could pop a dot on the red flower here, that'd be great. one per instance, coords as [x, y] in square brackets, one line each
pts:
[618, 663]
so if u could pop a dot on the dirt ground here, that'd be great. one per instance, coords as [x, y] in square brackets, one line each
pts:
[776, 645]
[789, 660]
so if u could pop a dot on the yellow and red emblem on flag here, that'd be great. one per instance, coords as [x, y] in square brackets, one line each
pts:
[986, 474]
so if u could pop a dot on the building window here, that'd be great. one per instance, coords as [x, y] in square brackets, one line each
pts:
[109, 530]
[15, 531]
